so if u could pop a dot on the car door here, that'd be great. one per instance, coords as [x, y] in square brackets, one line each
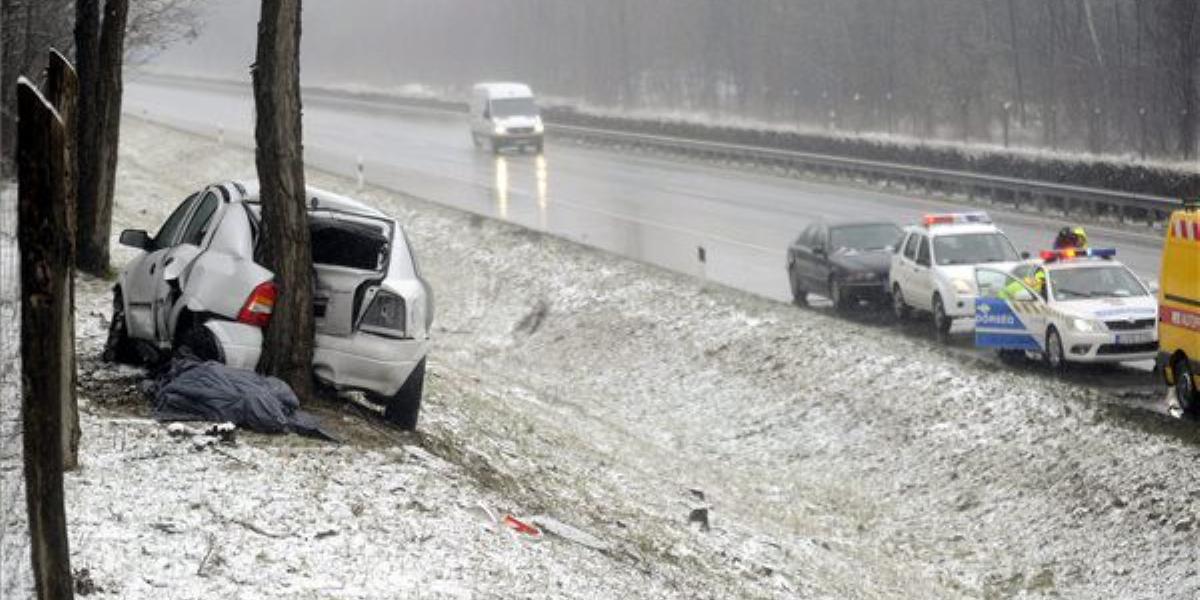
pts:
[1008, 315]
[906, 253]
[798, 255]
[178, 258]
[141, 276]
[919, 292]
[821, 267]
[813, 258]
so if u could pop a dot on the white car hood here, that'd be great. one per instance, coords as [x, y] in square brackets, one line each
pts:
[1110, 309]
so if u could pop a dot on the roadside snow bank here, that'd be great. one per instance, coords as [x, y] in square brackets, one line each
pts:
[837, 458]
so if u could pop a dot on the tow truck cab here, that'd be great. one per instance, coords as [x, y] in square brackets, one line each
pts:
[1179, 307]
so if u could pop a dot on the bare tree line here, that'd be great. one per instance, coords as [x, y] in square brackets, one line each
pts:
[1114, 76]
[28, 27]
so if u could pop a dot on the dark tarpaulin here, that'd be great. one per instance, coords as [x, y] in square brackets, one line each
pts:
[190, 390]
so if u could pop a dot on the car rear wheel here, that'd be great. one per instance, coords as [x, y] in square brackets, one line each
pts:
[1054, 355]
[404, 407]
[200, 342]
[899, 308]
[941, 321]
[118, 347]
[1185, 387]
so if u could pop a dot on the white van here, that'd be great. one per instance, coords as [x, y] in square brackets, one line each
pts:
[505, 115]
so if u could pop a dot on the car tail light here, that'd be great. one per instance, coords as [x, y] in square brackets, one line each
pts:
[259, 306]
[386, 315]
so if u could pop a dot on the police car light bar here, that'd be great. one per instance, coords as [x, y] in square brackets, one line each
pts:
[979, 217]
[1069, 253]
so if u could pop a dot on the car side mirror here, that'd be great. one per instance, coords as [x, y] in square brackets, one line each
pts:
[1025, 256]
[137, 238]
[1153, 285]
[818, 250]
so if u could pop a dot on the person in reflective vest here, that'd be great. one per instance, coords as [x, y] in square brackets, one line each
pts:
[1014, 289]
[1071, 237]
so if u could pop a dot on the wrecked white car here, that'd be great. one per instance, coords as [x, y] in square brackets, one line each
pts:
[200, 284]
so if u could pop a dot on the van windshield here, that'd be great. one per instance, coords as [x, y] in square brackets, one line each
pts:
[514, 107]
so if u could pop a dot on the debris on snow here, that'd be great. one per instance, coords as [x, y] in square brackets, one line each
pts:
[559, 529]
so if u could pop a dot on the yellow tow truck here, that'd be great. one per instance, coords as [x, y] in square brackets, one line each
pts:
[1179, 308]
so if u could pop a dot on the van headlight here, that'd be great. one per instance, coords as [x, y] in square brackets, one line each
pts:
[385, 315]
[500, 130]
[1085, 325]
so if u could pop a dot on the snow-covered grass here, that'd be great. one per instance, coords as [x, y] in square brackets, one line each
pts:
[14, 549]
[838, 458]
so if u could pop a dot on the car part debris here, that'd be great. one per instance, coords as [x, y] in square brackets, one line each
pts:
[559, 529]
[522, 527]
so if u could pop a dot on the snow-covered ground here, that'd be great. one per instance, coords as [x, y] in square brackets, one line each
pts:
[836, 458]
[14, 549]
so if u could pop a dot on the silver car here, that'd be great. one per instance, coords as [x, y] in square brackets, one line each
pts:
[200, 284]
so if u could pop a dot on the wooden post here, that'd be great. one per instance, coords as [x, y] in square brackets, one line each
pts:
[62, 89]
[45, 272]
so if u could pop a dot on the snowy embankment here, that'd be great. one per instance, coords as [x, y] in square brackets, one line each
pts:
[14, 549]
[833, 459]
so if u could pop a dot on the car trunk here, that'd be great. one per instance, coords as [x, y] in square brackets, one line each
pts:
[350, 254]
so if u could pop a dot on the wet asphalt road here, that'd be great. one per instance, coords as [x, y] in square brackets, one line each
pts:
[654, 209]
[658, 210]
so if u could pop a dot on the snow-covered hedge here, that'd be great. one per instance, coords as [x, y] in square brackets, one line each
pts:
[1104, 172]
[1099, 172]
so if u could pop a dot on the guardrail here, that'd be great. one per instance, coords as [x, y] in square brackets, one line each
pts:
[1018, 194]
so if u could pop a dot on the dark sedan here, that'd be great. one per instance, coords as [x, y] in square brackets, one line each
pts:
[845, 261]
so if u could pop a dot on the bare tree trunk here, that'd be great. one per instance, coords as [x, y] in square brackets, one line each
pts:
[1189, 62]
[288, 347]
[87, 121]
[45, 308]
[100, 136]
[1016, 61]
[62, 88]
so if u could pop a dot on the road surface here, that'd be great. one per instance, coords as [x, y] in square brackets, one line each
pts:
[649, 208]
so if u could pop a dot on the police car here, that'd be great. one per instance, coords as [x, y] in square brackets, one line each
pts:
[1078, 306]
[933, 269]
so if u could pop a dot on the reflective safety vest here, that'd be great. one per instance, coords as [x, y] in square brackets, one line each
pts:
[1012, 291]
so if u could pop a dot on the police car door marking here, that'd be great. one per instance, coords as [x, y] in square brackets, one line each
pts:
[998, 326]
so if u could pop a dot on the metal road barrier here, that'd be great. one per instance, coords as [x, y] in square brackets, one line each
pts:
[1020, 195]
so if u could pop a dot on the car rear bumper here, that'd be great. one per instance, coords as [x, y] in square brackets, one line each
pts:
[360, 361]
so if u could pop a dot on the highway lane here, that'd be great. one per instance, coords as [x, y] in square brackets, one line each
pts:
[655, 209]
